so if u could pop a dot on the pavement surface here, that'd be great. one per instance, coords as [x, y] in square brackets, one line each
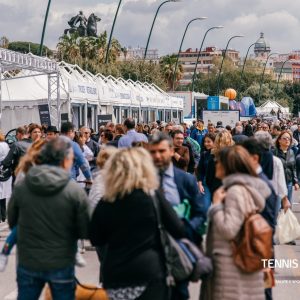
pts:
[287, 279]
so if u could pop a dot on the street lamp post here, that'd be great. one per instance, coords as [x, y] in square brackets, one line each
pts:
[276, 92]
[146, 49]
[199, 53]
[263, 74]
[224, 55]
[111, 32]
[244, 64]
[180, 47]
[44, 28]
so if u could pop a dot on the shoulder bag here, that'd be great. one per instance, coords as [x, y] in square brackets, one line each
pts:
[183, 259]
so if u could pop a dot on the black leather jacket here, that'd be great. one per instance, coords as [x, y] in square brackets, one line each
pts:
[289, 164]
[17, 150]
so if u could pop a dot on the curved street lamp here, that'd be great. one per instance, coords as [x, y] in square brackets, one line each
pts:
[44, 28]
[263, 74]
[111, 32]
[180, 47]
[244, 64]
[224, 55]
[199, 53]
[276, 92]
[167, 1]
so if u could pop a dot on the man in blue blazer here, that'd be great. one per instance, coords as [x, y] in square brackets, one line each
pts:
[176, 184]
[177, 187]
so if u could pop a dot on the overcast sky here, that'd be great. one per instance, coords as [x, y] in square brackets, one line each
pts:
[278, 19]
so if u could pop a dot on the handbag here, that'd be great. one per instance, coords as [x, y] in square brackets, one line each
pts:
[288, 228]
[183, 259]
[83, 292]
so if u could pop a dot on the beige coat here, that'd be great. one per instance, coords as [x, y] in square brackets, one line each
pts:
[226, 221]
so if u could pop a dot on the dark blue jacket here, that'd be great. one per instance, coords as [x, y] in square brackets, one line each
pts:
[188, 189]
[270, 210]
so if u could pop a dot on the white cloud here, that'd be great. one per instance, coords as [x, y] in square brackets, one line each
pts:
[280, 20]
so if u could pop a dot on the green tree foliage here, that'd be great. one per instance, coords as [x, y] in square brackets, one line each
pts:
[26, 47]
[249, 85]
[168, 64]
[89, 53]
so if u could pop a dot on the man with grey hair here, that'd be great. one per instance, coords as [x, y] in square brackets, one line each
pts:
[50, 212]
[239, 137]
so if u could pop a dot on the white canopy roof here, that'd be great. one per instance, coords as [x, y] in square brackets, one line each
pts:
[270, 105]
[28, 87]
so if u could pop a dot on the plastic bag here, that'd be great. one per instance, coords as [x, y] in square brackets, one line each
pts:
[288, 228]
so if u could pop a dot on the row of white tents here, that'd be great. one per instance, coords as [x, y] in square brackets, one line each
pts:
[82, 98]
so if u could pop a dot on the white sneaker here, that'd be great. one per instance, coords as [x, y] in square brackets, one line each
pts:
[3, 261]
[79, 260]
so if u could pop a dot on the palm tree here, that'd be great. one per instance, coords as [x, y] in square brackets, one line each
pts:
[4, 42]
[167, 66]
[68, 48]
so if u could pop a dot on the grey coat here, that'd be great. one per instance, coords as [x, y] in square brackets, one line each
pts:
[226, 221]
[50, 212]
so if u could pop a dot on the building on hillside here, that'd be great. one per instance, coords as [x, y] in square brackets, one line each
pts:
[291, 68]
[188, 61]
[131, 53]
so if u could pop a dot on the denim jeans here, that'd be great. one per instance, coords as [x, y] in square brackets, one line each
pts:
[206, 197]
[31, 283]
[290, 191]
[10, 241]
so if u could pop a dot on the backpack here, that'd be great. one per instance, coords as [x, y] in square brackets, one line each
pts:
[253, 244]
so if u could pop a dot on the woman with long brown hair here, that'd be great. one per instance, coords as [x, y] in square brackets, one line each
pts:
[242, 193]
[223, 139]
[284, 152]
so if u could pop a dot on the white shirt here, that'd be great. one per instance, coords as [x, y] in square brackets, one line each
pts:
[278, 179]
[5, 187]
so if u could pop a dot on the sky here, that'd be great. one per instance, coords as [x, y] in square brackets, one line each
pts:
[278, 19]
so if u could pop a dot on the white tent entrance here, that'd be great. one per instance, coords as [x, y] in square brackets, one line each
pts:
[18, 74]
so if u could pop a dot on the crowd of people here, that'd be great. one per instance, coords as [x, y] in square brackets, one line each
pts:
[71, 185]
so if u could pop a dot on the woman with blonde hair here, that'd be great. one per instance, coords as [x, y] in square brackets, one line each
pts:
[29, 159]
[125, 221]
[223, 139]
[241, 194]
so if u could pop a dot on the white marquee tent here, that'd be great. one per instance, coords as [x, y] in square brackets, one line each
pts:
[82, 96]
[272, 107]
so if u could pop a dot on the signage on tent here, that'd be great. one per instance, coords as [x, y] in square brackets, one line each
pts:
[44, 114]
[104, 119]
[83, 90]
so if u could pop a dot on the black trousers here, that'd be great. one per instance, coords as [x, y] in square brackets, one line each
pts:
[2, 210]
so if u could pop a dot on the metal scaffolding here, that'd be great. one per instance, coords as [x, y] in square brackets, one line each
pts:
[11, 62]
